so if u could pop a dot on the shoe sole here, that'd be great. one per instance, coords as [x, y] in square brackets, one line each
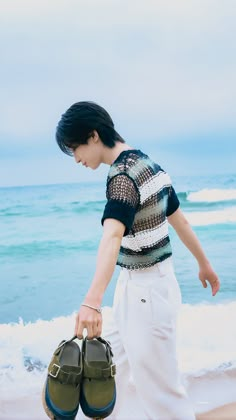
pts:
[46, 409]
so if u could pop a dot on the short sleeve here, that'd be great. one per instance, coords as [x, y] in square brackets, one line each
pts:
[173, 202]
[122, 201]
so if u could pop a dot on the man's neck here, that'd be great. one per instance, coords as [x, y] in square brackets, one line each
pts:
[110, 155]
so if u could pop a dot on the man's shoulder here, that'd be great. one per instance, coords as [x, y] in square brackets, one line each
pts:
[134, 163]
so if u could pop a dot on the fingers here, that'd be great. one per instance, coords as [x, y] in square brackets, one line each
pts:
[215, 287]
[87, 320]
[76, 324]
[215, 284]
[91, 330]
[99, 328]
[207, 274]
[94, 329]
[203, 281]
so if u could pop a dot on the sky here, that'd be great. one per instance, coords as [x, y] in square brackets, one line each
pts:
[164, 70]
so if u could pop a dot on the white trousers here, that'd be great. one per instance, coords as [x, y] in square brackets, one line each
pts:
[145, 308]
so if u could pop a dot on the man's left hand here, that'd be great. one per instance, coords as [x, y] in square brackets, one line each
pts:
[206, 273]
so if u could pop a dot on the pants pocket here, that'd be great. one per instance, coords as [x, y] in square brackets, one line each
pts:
[139, 304]
[163, 314]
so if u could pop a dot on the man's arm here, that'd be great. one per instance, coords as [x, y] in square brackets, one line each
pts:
[108, 251]
[190, 240]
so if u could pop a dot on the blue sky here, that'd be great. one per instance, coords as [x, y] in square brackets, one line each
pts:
[166, 72]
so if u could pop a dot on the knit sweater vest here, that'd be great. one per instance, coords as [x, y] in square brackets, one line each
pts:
[140, 195]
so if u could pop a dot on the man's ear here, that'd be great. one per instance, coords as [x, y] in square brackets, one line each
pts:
[95, 136]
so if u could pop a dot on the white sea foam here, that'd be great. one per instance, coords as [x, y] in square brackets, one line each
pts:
[207, 337]
[212, 195]
[203, 218]
[206, 342]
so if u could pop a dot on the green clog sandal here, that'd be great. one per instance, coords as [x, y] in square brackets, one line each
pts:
[61, 391]
[98, 389]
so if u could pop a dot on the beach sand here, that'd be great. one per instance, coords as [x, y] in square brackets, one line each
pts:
[31, 409]
[226, 412]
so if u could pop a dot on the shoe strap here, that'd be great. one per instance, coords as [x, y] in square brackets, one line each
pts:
[58, 349]
[108, 346]
[65, 374]
[98, 373]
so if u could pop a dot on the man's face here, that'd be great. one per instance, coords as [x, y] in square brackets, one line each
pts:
[89, 154]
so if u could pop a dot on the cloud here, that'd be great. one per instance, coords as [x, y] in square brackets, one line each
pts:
[164, 67]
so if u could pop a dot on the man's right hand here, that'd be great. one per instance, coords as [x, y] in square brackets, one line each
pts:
[90, 320]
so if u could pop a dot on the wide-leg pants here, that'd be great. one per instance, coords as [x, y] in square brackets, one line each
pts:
[145, 308]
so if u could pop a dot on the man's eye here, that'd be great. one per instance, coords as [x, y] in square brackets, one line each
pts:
[74, 147]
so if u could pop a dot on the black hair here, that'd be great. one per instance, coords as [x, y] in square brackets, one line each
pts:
[78, 122]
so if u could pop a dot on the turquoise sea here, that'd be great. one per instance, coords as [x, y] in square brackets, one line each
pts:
[49, 236]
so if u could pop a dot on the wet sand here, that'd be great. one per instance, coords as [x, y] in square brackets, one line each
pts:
[31, 409]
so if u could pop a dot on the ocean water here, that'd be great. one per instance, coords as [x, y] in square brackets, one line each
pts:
[49, 236]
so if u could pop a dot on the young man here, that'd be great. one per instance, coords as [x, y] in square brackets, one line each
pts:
[140, 203]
